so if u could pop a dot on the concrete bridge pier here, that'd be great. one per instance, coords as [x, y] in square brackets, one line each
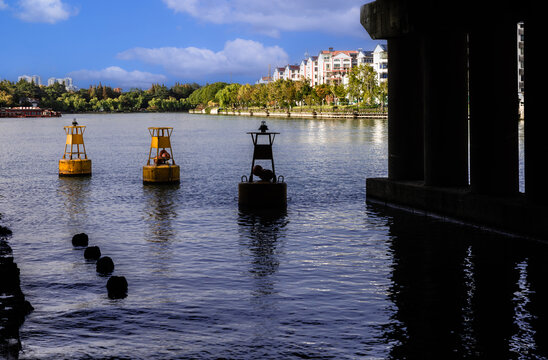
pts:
[405, 142]
[536, 124]
[494, 148]
[445, 108]
[448, 60]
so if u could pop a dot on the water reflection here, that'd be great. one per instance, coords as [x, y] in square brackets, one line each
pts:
[75, 192]
[522, 342]
[462, 293]
[160, 211]
[260, 233]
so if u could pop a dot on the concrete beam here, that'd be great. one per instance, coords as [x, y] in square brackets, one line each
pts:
[384, 19]
[514, 215]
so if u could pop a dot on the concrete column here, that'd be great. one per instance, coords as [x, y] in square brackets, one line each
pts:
[405, 126]
[494, 156]
[536, 125]
[445, 109]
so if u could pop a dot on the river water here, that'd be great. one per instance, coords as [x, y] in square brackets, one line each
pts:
[333, 277]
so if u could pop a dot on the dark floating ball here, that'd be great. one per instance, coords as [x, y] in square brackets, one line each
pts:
[117, 287]
[80, 240]
[4, 231]
[105, 265]
[92, 253]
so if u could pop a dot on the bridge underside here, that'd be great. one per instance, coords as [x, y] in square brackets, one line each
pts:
[453, 146]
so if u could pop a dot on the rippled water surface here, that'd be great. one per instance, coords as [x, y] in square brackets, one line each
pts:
[330, 278]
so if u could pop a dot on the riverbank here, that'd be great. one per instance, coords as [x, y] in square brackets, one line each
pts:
[13, 306]
[295, 113]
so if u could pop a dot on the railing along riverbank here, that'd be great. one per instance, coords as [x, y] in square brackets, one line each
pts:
[294, 113]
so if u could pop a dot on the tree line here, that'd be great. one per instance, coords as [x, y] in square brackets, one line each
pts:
[362, 89]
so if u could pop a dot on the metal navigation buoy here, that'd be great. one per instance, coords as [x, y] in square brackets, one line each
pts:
[161, 167]
[75, 161]
[262, 189]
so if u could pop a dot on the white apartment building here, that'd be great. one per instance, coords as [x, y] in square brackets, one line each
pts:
[332, 66]
[32, 78]
[380, 62]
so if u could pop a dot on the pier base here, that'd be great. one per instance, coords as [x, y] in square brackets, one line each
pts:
[510, 214]
[76, 167]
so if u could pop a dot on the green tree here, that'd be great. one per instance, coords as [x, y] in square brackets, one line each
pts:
[183, 91]
[51, 95]
[362, 83]
[322, 91]
[275, 93]
[302, 91]
[288, 92]
[382, 93]
[260, 95]
[205, 94]
[228, 96]
[25, 91]
[5, 99]
[338, 91]
[245, 95]
[159, 91]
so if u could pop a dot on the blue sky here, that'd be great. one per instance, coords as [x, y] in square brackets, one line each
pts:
[133, 43]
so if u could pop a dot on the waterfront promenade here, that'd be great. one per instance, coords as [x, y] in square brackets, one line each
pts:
[296, 113]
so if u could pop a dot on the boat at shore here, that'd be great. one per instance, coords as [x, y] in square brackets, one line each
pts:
[23, 112]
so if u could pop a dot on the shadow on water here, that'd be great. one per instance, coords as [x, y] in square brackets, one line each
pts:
[463, 293]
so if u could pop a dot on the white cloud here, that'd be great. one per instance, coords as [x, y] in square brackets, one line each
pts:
[3, 5]
[272, 17]
[238, 57]
[119, 77]
[44, 11]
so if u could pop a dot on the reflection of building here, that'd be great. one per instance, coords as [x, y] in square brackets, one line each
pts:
[521, 38]
[332, 66]
[32, 78]
[463, 298]
[65, 81]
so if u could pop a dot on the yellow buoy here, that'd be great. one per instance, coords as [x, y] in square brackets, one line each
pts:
[161, 167]
[75, 161]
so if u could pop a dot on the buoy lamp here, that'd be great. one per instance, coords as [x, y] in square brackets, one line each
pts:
[160, 167]
[75, 161]
[262, 189]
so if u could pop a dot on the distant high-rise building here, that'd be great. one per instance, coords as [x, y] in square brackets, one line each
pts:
[32, 78]
[65, 81]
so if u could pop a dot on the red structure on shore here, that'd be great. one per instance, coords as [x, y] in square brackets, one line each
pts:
[20, 112]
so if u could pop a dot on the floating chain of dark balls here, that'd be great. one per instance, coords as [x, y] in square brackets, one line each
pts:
[116, 285]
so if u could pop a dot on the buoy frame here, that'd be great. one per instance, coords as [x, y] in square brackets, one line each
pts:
[161, 167]
[75, 161]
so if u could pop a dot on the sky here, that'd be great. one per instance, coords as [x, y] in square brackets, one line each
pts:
[135, 43]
